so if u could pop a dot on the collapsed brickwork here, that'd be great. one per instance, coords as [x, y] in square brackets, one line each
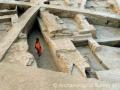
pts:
[82, 36]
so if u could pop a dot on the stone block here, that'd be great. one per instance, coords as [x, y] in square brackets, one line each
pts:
[84, 26]
[94, 46]
[64, 44]
[51, 27]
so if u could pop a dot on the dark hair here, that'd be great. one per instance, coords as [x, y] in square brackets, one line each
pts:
[37, 39]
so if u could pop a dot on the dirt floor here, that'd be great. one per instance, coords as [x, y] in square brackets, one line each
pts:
[71, 24]
[92, 60]
[104, 32]
[45, 61]
[98, 5]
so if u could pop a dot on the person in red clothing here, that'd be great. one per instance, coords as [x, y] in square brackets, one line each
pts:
[38, 47]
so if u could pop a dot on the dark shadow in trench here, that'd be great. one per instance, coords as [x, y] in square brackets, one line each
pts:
[45, 61]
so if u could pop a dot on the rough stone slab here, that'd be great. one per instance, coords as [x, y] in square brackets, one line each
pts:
[109, 75]
[64, 44]
[51, 23]
[23, 23]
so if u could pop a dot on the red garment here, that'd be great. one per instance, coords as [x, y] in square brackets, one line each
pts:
[38, 48]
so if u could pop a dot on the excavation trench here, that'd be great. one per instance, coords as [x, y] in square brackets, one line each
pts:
[45, 61]
[92, 60]
[89, 56]
[107, 30]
